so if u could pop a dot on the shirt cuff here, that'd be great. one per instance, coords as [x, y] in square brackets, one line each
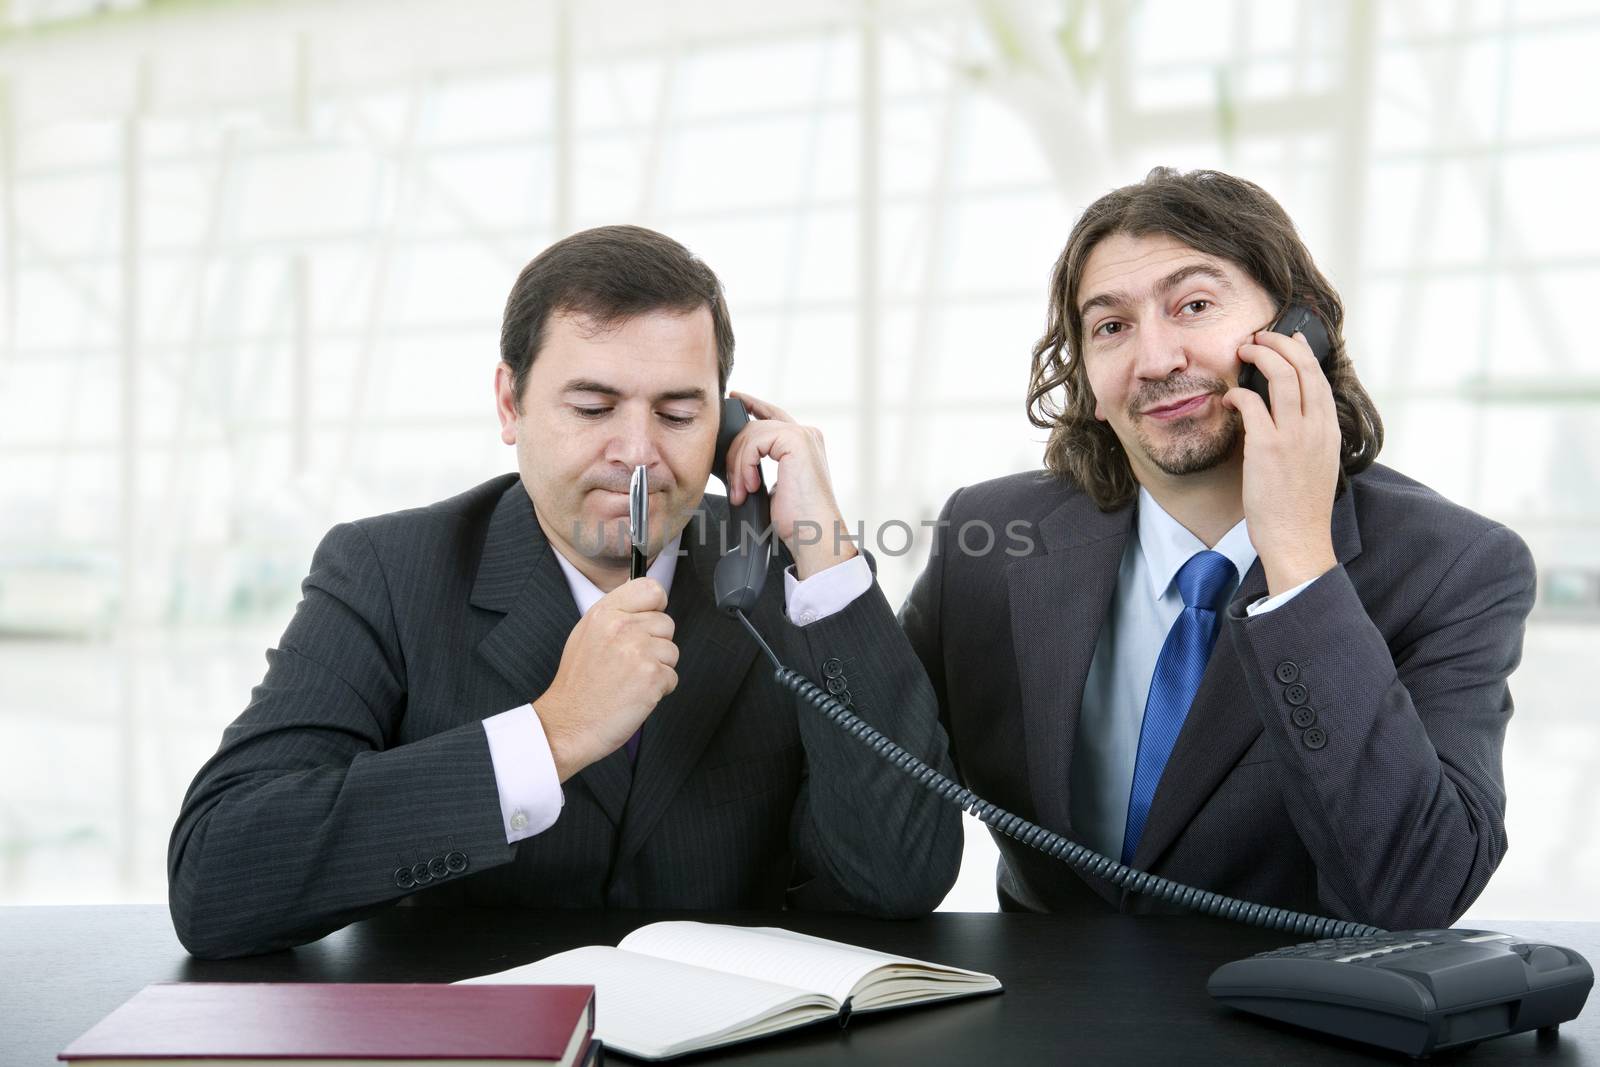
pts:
[1266, 604]
[524, 773]
[826, 592]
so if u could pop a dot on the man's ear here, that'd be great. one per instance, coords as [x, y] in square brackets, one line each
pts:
[505, 402]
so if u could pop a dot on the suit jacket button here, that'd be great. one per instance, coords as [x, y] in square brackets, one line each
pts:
[437, 867]
[831, 667]
[419, 872]
[456, 861]
[1297, 694]
[1314, 738]
[1304, 716]
[1288, 671]
[403, 879]
[836, 684]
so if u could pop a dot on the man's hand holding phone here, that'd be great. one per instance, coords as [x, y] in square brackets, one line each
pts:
[805, 515]
[1291, 459]
[618, 663]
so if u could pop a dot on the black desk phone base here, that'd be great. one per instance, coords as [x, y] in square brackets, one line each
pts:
[1415, 991]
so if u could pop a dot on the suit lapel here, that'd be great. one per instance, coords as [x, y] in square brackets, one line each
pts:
[714, 655]
[1220, 725]
[519, 577]
[1059, 603]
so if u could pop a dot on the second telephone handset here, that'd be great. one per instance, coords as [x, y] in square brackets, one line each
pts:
[1297, 319]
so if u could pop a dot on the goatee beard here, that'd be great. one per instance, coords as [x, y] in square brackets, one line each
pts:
[1194, 449]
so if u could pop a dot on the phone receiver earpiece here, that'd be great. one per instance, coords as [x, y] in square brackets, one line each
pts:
[742, 572]
[1301, 319]
[1297, 319]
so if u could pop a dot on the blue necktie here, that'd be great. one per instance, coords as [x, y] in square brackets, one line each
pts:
[1203, 582]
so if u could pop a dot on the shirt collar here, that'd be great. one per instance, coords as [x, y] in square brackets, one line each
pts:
[1167, 545]
[585, 593]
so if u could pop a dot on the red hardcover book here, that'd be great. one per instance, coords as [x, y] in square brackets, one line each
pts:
[190, 1024]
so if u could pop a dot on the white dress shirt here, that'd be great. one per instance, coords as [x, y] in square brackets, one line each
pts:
[1143, 608]
[524, 769]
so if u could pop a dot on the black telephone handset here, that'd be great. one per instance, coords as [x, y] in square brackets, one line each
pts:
[1297, 319]
[1358, 982]
[742, 572]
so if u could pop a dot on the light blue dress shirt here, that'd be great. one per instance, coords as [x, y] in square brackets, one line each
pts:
[1143, 608]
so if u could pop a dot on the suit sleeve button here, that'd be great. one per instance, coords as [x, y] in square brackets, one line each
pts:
[1288, 671]
[1314, 738]
[831, 667]
[836, 685]
[1304, 716]
[456, 861]
[1296, 694]
[419, 872]
[403, 879]
[437, 867]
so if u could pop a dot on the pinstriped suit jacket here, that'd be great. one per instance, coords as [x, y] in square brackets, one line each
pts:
[359, 774]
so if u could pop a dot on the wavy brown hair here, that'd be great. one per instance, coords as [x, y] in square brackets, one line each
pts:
[1216, 214]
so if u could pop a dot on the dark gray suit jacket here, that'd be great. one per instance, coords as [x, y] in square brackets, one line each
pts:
[1388, 808]
[359, 774]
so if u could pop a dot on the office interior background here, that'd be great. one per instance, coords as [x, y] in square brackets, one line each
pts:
[253, 257]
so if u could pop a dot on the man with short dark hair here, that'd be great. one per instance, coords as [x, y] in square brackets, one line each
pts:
[474, 704]
[1236, 652]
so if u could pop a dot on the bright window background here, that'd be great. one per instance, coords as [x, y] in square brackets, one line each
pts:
[253, 257]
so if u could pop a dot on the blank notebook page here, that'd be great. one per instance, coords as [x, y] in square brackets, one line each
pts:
[650, 1006]
[765, 953]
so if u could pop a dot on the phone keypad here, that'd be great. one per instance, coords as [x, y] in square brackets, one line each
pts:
[1347, 949]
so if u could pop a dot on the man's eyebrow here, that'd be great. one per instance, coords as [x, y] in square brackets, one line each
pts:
[1113, 299]
[1119, 298]
[681, 394]
[585, 385]
[1183, 274]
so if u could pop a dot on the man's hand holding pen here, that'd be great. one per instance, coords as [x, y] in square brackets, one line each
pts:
[618, 663]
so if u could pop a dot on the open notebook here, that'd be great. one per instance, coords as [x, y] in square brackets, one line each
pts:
[676, 987]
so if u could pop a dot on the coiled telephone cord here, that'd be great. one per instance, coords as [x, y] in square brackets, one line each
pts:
[1050, 843]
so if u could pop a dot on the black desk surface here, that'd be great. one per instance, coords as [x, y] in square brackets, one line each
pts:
[1113, 989]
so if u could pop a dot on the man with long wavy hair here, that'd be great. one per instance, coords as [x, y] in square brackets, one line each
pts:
[1236, 651]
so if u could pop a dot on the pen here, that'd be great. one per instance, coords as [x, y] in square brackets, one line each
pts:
[638, 519]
